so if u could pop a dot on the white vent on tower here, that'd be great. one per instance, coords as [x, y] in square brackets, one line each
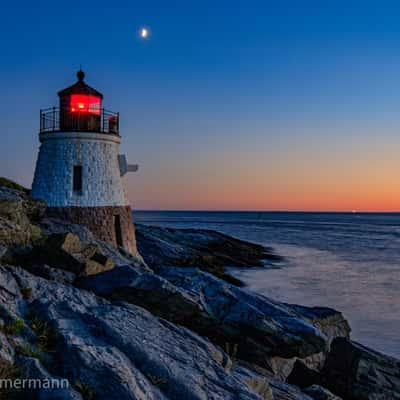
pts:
[124, 167]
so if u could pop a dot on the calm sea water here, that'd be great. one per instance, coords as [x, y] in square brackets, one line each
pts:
[350, 262]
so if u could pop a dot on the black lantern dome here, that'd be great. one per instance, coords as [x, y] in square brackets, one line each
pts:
[80, 87]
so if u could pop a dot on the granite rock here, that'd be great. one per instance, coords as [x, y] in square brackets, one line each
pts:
[17, 212]
[122, 351]
[208, 250]
[260, 327]
[65, 251]
[356, 372]
[31, 368]
[119, 256]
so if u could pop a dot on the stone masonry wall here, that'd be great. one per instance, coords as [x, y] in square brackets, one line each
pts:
[96, 153]
[100, 220]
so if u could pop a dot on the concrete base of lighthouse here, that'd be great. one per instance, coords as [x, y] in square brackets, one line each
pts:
[113, 225]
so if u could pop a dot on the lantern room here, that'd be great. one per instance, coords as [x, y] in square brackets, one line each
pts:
[80, 110]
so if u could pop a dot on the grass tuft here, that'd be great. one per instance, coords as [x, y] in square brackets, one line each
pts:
[87, 392]
[36, 234]
[232, 349]
[9, 371]
[157, 380]
[8, 183]
[46, 337]
[28, 350]
[14, 328]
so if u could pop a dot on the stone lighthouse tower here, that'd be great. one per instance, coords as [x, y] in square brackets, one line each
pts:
[79, 171]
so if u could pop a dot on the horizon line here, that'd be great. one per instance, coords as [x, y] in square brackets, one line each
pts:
[272, 211]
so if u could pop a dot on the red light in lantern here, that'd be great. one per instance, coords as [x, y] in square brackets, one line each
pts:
[85, 104]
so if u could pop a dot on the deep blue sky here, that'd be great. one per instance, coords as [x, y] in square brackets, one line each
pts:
[228, 105]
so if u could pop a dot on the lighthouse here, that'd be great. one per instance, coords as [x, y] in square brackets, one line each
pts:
[79, 171]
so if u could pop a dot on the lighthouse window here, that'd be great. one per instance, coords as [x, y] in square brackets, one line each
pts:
[77, 179]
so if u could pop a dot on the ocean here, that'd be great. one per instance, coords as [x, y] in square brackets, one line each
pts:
[347, 261]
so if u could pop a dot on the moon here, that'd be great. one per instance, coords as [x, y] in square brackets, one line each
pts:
[144, 33]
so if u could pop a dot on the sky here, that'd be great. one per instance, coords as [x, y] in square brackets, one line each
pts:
[228, 105]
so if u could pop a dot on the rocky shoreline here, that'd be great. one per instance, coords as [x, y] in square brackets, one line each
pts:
[207, 250]
[170, 324]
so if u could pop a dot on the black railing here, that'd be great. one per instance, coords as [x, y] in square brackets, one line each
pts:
[56, 120]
